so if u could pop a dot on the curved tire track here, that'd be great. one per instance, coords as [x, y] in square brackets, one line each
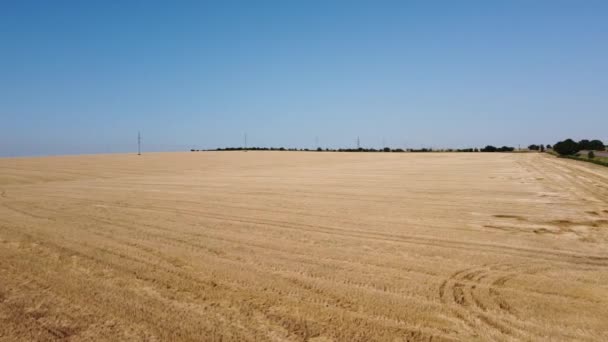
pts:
[474, 296]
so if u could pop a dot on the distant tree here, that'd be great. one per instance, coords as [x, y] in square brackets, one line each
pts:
[489, 148]
[534, 147]
[542, 148]
[593, 145]
[506, 149]
[596, 145]
[549, 146]
[319, 149]
[387, 149]
[590, 155]
[476, 149]
[566, 147]
[584, 145]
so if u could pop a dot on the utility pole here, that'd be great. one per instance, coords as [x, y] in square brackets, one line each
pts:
[138, 143]
[358, 143]
[245, 140]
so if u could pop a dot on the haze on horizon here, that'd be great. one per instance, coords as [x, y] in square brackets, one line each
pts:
[85, 77]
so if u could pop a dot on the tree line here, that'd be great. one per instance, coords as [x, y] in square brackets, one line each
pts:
[488, 148]
[540, 147]
[571, 147]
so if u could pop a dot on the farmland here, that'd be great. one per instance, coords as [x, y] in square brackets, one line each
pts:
[292, 246]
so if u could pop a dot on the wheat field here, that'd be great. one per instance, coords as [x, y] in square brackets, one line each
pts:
[297, 246]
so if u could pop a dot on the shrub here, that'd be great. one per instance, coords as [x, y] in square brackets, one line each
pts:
[590, 155]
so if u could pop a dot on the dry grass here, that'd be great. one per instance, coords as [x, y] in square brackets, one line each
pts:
[303, 246]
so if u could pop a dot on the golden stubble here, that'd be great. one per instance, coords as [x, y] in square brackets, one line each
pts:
[293, 246]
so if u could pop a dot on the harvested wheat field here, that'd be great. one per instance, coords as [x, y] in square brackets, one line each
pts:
[293, 246]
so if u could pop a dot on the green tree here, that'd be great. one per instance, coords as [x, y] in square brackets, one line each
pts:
[596, 145]
[584, 145]
[566, 147]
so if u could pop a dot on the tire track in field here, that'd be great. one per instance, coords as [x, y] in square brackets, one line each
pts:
[459, 293]
[577, 176]
[339, 301]
[545, 254]
[548, 255]
[305, 287]
[128, 226]
[475, 298]
[309, 293]
[462, 290]
[585, 187]
[82, 288]
[592, 260]
[127, 268]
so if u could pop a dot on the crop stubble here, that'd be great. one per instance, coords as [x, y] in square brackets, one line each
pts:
[303, 246]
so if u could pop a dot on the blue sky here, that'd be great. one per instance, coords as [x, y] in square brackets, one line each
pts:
[85, 76]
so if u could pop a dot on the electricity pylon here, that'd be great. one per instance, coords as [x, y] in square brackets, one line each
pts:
[138, 143]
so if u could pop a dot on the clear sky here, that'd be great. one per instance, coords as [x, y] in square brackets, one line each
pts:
[85, 76]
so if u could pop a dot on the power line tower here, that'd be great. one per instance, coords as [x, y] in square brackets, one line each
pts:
[138, 143]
